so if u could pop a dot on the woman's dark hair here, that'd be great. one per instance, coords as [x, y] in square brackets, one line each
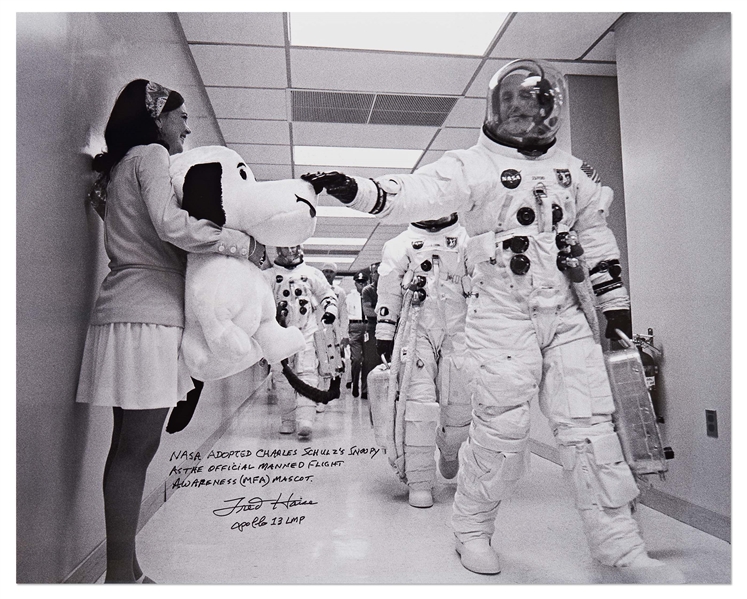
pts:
[131, 125]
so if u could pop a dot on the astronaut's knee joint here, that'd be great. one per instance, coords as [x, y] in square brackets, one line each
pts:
[489, 474]
[598, 472]
[454, 382]
[421, 421]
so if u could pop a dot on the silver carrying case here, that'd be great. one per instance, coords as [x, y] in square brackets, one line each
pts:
[634, 417]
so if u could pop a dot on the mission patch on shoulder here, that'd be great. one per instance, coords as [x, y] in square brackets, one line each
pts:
[590, 172]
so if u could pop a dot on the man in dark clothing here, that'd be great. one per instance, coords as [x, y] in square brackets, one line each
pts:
[357, 324]
[371, 359]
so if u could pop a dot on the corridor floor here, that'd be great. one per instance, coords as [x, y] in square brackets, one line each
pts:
[352, 523]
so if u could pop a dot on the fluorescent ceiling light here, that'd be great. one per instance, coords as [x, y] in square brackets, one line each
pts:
[337, 241]
[441, 33]
[341, 212]
[366, 157]
[335, 259]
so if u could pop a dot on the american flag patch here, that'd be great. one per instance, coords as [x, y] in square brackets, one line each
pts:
[590, 172]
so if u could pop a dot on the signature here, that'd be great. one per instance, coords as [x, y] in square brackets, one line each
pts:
[242, 504]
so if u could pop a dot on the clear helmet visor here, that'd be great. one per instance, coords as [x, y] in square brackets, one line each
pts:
[525, 99]
[289, 256]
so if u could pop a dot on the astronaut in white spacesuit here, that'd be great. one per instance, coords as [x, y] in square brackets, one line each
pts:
[431, 255]
[301, 292]
[526, 335]
[340, 325]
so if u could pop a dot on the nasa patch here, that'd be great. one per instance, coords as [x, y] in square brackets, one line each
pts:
[563, 175]
[510, 178]
[451, 242]
[384, 311]
[416, 245]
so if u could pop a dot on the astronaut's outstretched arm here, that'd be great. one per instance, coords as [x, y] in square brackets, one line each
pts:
[433, 191]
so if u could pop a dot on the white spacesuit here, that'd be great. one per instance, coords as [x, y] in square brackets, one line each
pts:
[526, 335]
[339, 326]
[301, 291]
[431, 255]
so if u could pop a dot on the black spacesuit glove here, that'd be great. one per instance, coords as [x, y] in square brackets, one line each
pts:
[618, 319]
[328, 318]
[385, 347]
[337, 185]
[281, 313]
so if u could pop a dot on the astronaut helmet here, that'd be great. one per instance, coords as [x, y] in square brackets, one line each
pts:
[432, 226]
[525, 99]
[329, 270]
[289, 256]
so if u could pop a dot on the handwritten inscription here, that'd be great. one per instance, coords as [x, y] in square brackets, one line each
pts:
[272, 453]
[261, 468]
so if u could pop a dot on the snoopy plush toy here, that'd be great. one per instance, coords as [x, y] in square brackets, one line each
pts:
[229, 307]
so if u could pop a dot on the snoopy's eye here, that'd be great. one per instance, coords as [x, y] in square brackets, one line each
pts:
[242, 172]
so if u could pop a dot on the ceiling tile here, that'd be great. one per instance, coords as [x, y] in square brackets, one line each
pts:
[454, 139]
[263, 154]
[383, 72]
[468, 112]
[271, 172]
[362, 136]
[255, 28]
[146, 28]
[248, 103]
[354, 227]
[564, 35]
[237, 65]
[604, 50]
[253, 131]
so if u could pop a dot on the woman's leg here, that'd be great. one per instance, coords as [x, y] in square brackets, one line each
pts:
[116, 431]
[130, 456]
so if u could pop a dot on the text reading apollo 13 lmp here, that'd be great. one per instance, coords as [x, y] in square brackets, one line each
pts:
[290, 469]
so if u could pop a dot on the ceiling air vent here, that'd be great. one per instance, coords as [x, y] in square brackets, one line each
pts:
[326, 107]
[429, 111]
[378, 109]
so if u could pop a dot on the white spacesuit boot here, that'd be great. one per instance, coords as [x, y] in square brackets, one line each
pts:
[485, 478]
[473, 520]
[306, 369]
[286, 400]
[421, 420]
[604, 488]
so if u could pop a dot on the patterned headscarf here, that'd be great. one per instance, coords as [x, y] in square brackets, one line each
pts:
[155, 98]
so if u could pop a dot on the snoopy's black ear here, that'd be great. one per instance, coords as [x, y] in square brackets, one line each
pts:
[202, 196]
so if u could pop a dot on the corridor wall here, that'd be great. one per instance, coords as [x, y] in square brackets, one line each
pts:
[674, 75]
